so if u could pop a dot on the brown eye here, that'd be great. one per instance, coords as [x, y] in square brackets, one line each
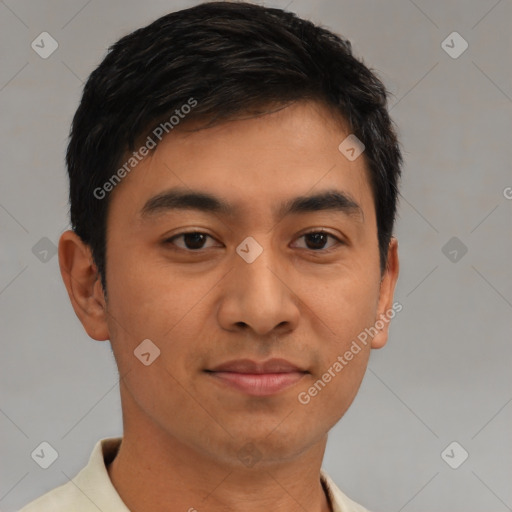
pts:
[192, 240]
[317, 240]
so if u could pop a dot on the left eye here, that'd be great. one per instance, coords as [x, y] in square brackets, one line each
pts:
[316, 240]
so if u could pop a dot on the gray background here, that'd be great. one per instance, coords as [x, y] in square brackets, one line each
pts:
[445, 374]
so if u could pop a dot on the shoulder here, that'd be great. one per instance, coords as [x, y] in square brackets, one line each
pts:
[340, 501]
[63, 498]
[89, 491]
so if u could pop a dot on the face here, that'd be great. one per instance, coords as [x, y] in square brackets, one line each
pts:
[254, 272]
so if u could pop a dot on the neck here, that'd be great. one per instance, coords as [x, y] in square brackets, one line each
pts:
[154, 471]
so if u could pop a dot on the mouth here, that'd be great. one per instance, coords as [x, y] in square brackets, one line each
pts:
[257, 379]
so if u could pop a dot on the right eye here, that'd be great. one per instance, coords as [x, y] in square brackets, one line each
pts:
[191, 240]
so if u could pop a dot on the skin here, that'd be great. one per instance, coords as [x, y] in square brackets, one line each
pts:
[303, 302]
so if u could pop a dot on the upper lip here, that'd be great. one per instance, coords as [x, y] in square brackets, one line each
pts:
[248, 366]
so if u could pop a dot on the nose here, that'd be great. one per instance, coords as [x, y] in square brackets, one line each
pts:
[259, 296]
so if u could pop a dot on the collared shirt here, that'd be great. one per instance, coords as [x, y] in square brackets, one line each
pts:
[92, 490]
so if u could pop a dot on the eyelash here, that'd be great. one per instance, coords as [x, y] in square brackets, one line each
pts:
[169, 241]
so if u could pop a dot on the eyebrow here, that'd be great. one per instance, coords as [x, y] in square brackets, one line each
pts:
[185, 199]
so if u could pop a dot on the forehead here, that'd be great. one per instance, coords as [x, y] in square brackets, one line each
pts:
[247, 165]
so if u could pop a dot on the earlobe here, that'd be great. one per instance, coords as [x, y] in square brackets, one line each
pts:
[385, 309]
[83, 284]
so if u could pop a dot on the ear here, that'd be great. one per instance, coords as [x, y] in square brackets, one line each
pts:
[385, 309]
[83, 283]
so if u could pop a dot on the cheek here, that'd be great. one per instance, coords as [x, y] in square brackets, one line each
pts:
[149, 300]
[330, 391]
[343, 309]
[141, 288]
[344, 302]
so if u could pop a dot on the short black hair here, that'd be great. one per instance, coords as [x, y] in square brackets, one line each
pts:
[230, 58]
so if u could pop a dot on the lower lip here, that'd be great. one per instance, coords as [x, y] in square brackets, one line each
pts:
[257, 384]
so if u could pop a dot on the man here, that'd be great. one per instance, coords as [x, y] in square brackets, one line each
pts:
[233, 185]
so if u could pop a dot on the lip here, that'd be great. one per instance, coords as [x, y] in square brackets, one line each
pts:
[258, 379]
[274, 365]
